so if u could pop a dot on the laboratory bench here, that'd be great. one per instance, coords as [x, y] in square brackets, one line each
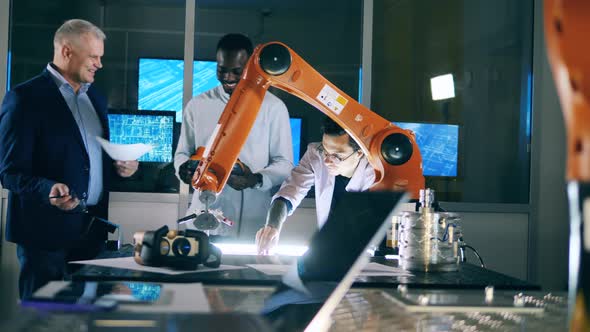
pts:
[468, 276]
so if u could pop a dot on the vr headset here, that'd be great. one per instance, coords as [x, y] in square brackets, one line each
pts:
[176, 249]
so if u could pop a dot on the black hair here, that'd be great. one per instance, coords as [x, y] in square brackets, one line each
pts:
[235, 42]
[331, 128]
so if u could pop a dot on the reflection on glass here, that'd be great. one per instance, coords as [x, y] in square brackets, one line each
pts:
[289, 309]
[442, 87]
[487, 48]
[88, 292]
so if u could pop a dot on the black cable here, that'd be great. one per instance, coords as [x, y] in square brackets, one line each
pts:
[189, 217]
[462, 251]
[241, 212]
[476, 254]
[446, 234]
[462, 254]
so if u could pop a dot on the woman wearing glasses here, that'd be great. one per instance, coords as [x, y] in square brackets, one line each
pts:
[333, 166]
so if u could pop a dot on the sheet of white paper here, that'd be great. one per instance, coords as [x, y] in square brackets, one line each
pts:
[130, 264]
[270, 269]
[292, 279]
[371, 270]
[124, 152]
[375, 270]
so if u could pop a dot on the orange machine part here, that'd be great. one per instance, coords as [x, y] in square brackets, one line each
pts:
[367, 128]
[567, 24]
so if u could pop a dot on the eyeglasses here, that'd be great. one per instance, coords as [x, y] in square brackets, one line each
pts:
[335, 157]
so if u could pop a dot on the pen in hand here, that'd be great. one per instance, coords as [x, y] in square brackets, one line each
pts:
[58, 196]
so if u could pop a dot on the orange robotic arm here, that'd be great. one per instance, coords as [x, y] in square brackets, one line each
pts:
[567, 24]
[391, 151]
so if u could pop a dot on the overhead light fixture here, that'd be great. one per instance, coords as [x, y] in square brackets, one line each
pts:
[442, 87]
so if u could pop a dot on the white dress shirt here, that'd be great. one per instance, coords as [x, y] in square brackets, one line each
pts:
[312, 171]
[268, 151]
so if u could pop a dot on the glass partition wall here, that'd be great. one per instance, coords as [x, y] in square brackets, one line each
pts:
[484, 51]
[333, 49]
[460, 67]
[134, 29]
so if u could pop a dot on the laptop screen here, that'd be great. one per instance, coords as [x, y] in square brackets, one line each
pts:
[336, 254]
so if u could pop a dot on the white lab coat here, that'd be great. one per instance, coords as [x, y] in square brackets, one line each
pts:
[312, 171]
[268, 151]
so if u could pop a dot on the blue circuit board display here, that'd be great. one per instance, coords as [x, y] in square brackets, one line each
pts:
[438, 145]
[157, 130]
[160, 83]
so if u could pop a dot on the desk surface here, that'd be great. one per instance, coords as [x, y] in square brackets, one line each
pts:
[236, 309]
[467, 277]
[373, 310]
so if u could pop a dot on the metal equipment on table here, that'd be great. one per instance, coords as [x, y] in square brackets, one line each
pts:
[429, 240]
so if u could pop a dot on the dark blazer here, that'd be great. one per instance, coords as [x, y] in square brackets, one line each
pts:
[40, 145]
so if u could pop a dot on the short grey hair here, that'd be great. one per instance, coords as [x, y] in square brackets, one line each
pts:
[71, 30]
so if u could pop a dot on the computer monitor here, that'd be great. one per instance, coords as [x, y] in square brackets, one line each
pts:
[160, 83]
[296, 137]
[439, 146]
[149, 127]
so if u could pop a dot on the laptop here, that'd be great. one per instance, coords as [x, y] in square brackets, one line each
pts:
[312, 289]
[316, 283]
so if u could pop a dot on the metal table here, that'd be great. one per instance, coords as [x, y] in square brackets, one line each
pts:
[236, 308]
[373, 310]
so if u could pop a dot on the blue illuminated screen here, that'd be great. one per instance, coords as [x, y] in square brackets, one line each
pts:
[160, 88]
[438, 145]
[296, 137]
[160, 83]
[154, 129]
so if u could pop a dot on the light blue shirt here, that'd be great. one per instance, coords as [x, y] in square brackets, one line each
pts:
[89, 126]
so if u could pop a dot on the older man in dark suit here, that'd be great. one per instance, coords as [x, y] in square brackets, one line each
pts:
[51, 162]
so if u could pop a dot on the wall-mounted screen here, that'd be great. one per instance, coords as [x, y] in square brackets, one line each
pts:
[154, 127]
[160, 83]
[439, 145]
[160, 88]
[296, 137]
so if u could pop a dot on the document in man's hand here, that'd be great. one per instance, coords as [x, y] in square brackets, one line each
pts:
[124, 152]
